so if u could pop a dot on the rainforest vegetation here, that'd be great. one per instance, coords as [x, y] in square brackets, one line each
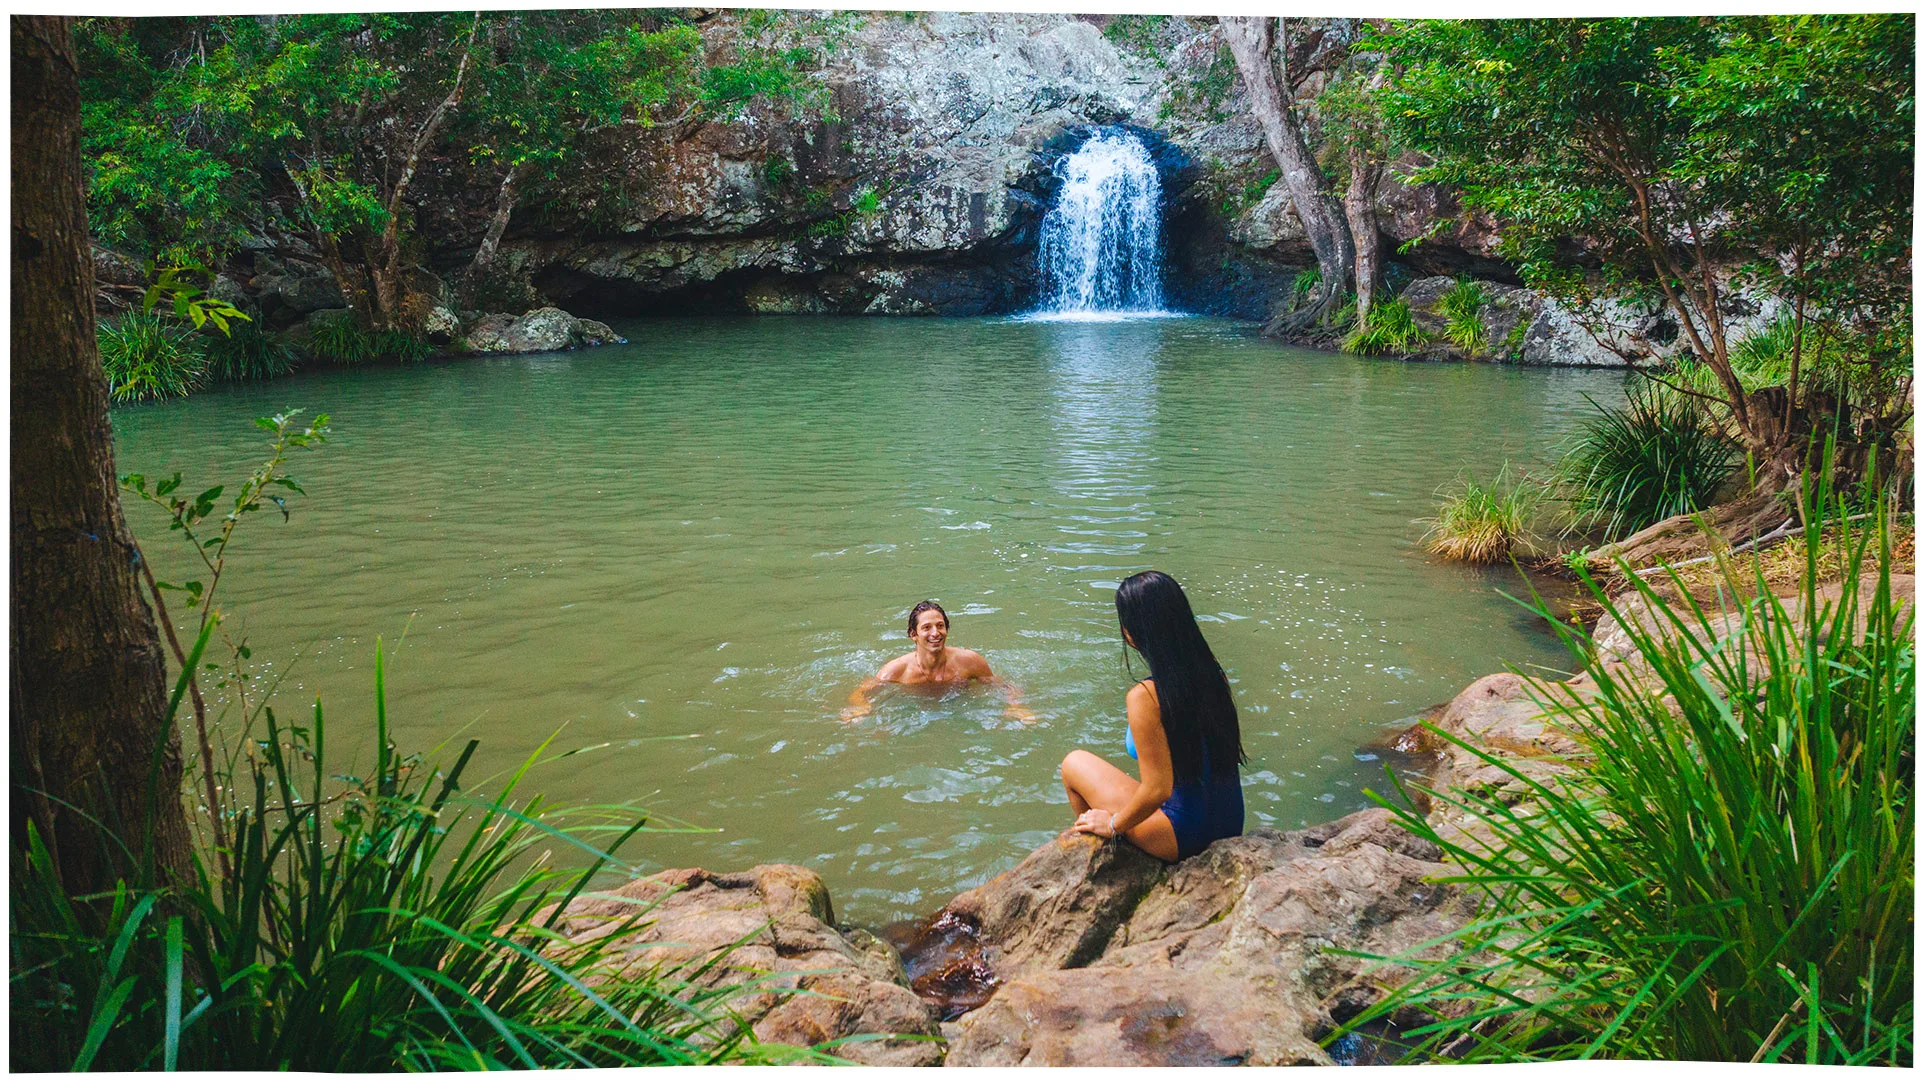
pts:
[1723, 203]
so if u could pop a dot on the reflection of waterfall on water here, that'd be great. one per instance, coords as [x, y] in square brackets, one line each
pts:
[1100, 244]
[1105, 407]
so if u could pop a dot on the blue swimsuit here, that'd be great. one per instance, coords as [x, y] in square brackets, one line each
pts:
[1201, 811]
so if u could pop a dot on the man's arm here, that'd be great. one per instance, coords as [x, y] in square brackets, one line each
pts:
[1015, 708]
[858, 704]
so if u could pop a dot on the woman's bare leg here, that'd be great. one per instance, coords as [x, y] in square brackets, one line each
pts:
[1092, 782]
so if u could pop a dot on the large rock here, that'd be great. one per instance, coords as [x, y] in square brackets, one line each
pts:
[1058, 907]
[772, 926]
[1225, 960]
[546, 329]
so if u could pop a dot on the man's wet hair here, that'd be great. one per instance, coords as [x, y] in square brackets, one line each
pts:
[913, 617]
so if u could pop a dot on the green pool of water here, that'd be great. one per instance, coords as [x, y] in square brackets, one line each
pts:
[684, 552]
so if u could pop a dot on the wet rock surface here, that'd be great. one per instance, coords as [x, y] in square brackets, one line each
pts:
[773, 926]
[1222, 959]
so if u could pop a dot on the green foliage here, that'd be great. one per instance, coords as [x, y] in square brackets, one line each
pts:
[1462, 307]
[1516, 339]
[342, 340]
[205, 130]
[1389, 329]
[189, 302]
[1205, 93]
[248, 354]
[1656, 456]
[375, 924]
[1303, 283]
[1481, 523]
[1144, 35]
[1780, 147]
[1731, 877]
[147, 357]
[779, 173]
[1248, 195]
[866, 202]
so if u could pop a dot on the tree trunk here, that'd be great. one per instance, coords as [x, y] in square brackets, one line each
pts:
[87, 675]
[1251, 39]
[1363, 220]
[490, 243]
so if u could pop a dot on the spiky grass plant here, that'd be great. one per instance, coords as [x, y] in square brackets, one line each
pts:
[1463, 307]
[1389, 329]
[365, 925]
[248, 353]
[1730, 877]
[343, 340]
[148, 356]
[1656, 456]
[1482, 523]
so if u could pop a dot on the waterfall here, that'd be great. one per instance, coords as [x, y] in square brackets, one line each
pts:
[1100, 244]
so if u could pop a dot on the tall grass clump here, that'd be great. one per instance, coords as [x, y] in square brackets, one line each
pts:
[372, 924]
[342, 340]
[1730, 877]
[1482, 523]
[248, 353]
[1389, 329]
[1463, 307]
[147, 356]
[1656, 456]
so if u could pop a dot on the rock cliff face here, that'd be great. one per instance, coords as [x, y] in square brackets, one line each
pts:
[923, 192]
[915, 187]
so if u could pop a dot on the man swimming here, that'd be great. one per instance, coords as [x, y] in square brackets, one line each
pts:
[931, 663]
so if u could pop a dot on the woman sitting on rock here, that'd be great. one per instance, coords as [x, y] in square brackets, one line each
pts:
[1181, 727]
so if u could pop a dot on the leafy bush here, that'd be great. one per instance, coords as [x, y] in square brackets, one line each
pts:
[1654, 457]
[365, 925]
[1462, 307]
[1481, 523]
[249, 353]
[1390, 329]
[1731, 877]
[148, 356]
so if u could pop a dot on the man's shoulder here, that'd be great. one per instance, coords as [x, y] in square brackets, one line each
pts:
[972, 662]
[894, 668]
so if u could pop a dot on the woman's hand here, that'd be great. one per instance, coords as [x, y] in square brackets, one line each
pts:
[1096, 821]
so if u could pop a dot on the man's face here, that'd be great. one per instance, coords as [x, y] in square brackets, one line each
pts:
[930, 629]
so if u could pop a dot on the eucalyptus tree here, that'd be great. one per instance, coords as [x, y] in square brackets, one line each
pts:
[1256, 42]
[1669, 161]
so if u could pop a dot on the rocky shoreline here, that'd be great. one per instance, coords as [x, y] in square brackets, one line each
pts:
[1090, 952]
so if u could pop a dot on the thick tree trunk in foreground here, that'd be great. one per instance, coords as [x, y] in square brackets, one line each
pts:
[87, 675]
[1251, 41]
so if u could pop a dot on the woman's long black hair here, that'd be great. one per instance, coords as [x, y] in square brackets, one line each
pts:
[1196, 704]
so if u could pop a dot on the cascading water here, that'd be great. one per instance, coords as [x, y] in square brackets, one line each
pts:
[1100, 244]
